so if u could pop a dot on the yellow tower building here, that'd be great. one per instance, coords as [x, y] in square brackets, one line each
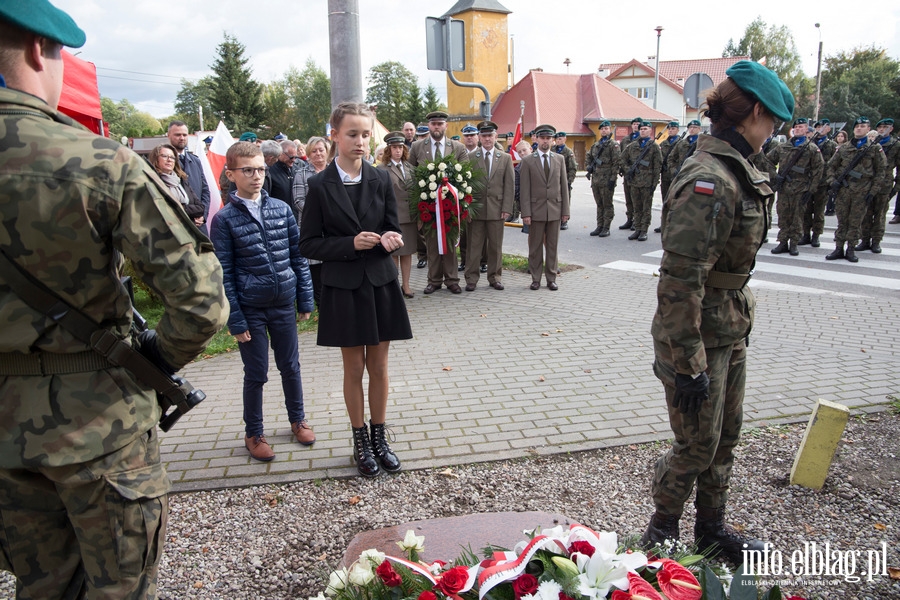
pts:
[487, 59]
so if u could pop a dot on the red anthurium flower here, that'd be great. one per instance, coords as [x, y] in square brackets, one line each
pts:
[524, 584]
[581, 547]
[638, 589]
[388, 575]
[453, 580]
[677, 582]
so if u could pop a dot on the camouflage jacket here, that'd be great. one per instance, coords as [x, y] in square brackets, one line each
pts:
[680, 153]
[72, 205]
[764, 165]
[715, 223]
[647, 172]
[805, 174]
[603, 160]
[571, 165]
[867, 176]
[827, 147]
[892, 169]
[667, 151]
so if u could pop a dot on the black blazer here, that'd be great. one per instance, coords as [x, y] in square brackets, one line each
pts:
[330, 223]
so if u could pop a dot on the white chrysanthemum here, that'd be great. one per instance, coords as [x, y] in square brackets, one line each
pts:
[423, 196]
[458, 167]
[432, 186]
[337, 581]
[360, 574]
[432, 178]
[548, 590]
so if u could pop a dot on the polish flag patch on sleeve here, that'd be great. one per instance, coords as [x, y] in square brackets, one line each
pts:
[707, 188]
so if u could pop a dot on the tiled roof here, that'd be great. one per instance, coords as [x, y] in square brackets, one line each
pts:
[483, 5]
[673, 70]
[567, 102]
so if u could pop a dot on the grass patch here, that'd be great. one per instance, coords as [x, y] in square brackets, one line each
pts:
[152, 310]
[514, 262]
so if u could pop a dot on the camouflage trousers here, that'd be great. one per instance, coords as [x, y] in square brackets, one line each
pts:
[814, 212]
[88, 530]
[642, 199]
[849, 207]
[703, 450]
[872, 226]
[629, 203]
[603, 198]
[789, 219]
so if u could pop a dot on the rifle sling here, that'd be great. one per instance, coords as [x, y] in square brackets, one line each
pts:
[727, 281]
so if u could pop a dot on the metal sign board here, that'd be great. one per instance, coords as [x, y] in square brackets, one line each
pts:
[695, 85]
[436, 51]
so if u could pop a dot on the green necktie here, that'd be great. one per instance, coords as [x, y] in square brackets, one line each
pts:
[487, 164]
[546, 167]
[437, 152]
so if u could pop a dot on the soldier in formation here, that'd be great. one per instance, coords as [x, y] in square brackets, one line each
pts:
[669, 168]
[642, 162]
[571, 165]
[813, 213]
[626, 185]
[603, 164]
[872, 226]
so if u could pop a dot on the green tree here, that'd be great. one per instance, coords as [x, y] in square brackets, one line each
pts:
[432, 101]
[236, 96]
[864, 81]
[775, 45]
[190, 98]
[280, 114]
[310, 91]
[389, 88]
[415, 109]
[126, 120]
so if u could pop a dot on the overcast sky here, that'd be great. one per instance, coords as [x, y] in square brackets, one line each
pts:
[142, 49]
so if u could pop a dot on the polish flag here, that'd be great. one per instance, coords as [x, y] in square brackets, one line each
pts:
[213, 164]
[517, 137]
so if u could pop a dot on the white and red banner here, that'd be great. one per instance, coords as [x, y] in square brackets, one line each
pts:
[213, 163]
[517, 137]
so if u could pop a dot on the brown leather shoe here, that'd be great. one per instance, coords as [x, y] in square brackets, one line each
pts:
[259, 448]
[430, 289]
[535, 285]
[304, 433]
[552, 286]
[470, 287]
[497, 285]
[454, 287]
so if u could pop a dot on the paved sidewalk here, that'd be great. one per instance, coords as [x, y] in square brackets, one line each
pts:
[504, 374]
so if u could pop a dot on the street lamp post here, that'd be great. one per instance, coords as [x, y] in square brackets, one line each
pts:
[567, 62]
[658, 30]
[818, 75]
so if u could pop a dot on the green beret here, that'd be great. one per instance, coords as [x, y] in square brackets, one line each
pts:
[605, 124]
[637, 120]
[765, 85]
[860, 121]
[560, 134]
[395, 137]
[801, 121]
[42, 18]
[887, 121]
[694, 122]
[455, 137]
[646, 124]
[437, 115]
[247, 136]
[548, 130]
[673, 124]
[824, 122]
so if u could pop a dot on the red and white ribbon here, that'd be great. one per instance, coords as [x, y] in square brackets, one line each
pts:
[442, 229]
[497, 574]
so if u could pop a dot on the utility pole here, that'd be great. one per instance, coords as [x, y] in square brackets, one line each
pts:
[659, 31]
[343, 42]
[818, 75]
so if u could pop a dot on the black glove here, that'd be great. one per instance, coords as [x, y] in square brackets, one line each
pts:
[690, 392]
[588, 175]
[835, 187]
[148, 345]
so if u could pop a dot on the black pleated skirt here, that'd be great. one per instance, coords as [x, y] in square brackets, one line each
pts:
[365, 316]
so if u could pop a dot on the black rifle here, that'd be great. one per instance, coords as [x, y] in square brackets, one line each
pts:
[665, 165]
[784, 173]
[630, 174]
[597, 161]
[841, 180]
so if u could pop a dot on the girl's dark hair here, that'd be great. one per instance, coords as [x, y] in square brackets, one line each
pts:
[727, 105]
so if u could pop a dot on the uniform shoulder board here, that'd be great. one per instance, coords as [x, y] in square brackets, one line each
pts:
[707, 188]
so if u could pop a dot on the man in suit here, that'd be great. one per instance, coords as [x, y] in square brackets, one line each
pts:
[282, 173]
[409, 134]
[442, 268]
[178, 137]
[497, 203]
[544, 197]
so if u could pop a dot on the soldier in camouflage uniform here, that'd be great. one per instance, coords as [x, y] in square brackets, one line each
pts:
[814, 211]
[642, 163]
[623, 144]
[800, 168]
[715, 227]
[872, 227]
[82, 491]
[603, 164]
[763, 165]
[669, 168]
[571, 165]
[856, 188]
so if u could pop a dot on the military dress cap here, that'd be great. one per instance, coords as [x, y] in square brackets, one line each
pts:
[469, 130]
[887, 121]
[280, 137]
[694, 122]
[801, 121]
[422, 130]
[487, 127]
[860, 120]
[765, 85]
[437, 115]
[395, 137]
[207, 140]
[42, 18]
[548, 130]
[247, 136]
[637, 120]
[673, 124]
[605, 123]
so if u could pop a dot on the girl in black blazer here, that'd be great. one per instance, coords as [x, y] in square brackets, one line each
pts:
[350, 223]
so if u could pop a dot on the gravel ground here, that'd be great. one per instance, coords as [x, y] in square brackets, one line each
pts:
[281, 541]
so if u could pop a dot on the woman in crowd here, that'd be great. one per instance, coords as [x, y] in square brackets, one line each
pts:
[164, 159]
[840, 137]
[316, 160]
[350, 223]
[716, 224]
[394, 160]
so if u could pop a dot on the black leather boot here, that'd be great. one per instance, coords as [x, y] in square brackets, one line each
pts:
[838, 251]
[604, 232]
[634, 235]
[661, 528]
[627, 224]
[382, 451]
[642, 236]
[864, 244]
[365, 461]
[876, 247]
[814, 240]
[792, 248]
[713, 536]
[597, 231]
[804, 240]
[851, 254]
[781, 248]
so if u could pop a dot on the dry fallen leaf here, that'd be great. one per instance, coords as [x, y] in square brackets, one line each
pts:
[448, 473]
[559, 331]
[894, 573]
[880, 526]
[482, 315]
[541, 378]
[809, 529]
[322, 557]
[448, 368]
[353, 500]
[205, 549]
[587, 370]
[198, 584]
[545, 334]
[862, 349]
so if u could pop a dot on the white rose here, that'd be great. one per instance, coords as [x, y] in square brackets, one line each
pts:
[431, 166]
[421, 183]
[458, 167]
[468, 189]
[432, 178]
[468, 174]
[423, 196]
[321, 596]
[459, 177]
[372, 555]
[432, 195]
[432, 186]
[412, 541]
[360, 574]
[442, 166]
[336, 582]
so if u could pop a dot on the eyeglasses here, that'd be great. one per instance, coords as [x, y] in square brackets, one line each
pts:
[291, 158]
[250, 171]
[166, 157]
